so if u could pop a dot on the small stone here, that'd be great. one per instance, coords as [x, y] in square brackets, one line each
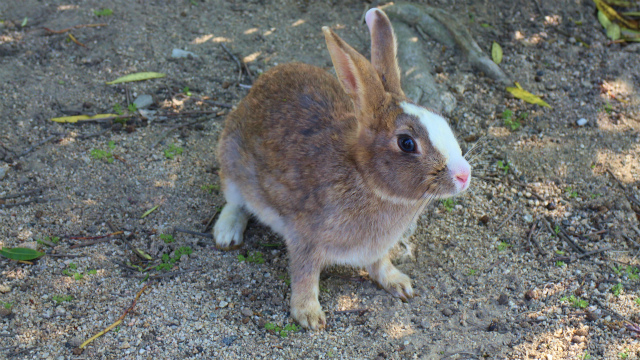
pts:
[551, 206]
[484, 219]
[503, 299]
[246, 312]
[180, 54]
[530, 294]
[551, 86]
[582, 331]
[528, 218]
[3, 172]
[143, 101]
[5, 289]
[582, 122]
[125, 345]
[226, 84]
[447, 312]
[229, 340]
[593, 315]
[245, 320]
[577, 339]
[539, 73]
[223, 304]
[75, 341]
[60, 310]
[4, 312]
[198, 326]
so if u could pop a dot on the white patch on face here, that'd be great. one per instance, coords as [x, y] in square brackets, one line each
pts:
[440, 133]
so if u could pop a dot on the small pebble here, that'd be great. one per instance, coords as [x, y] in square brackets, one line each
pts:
[229, 340]
[246, 312]
[143, 101]
[577, 339]
[5, 289]
[447, 312]
[223, 304]
[3, 172]
[503, 299]
[179, 54]
[582, 122]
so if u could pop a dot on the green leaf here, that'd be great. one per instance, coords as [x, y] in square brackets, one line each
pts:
[613, 32]
[20, 254]
[526, 96]
[137, 77]
[149, 211]
[604, 20]
[24, 22]
[496, 53]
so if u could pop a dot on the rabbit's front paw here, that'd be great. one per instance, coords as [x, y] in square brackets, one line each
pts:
[230, 226]
[391, 279]
[309, 315]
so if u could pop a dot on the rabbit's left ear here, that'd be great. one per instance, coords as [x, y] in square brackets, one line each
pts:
[383, 50]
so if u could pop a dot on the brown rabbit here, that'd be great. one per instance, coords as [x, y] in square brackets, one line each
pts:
[340, 169]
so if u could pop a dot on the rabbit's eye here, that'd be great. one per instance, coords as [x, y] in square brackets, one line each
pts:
[406, 144]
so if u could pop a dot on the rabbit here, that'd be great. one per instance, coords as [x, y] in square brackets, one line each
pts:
[340, 168]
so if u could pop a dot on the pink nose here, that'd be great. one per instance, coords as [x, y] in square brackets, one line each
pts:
[463, 176]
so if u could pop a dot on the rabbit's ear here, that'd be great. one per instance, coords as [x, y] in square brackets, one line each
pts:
[383, 50]
[358, 78]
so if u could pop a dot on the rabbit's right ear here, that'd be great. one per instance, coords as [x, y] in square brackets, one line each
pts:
[356, 74]
[383, 50]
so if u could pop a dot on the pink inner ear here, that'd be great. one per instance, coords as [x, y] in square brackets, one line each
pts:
[370, 17]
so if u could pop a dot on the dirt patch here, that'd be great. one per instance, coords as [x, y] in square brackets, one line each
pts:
[489, 285]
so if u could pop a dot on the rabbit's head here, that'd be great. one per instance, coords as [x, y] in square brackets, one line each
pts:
[404, 151]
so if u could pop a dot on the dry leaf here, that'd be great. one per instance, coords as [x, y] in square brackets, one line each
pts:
[76, 118]
[137, 77]
[520, 93]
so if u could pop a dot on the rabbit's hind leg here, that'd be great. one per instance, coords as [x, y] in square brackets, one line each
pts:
[233, 219]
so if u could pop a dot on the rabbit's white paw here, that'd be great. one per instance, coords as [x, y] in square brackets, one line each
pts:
[391, 279]
[230, 226]
[309, 314]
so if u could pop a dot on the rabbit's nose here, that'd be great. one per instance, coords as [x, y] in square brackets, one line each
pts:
[460, 173]
[462, 177]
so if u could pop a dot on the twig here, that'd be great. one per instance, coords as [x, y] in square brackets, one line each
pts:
[624, 189]
[609, 310]
[39, 201]
[166, 133]
[26, 193]
[205, 235]
[631, 240]
[84, 137]
[126, 241]
[73, 38]
[65, 255]
[218, 104]
[235, 58]
[508, 217]
[73, 27]
[88, 243]
[593, 252]
[119, 319]
[173, 273]
[94, 237]
[208, 226]
[361, 311]
[36, 145]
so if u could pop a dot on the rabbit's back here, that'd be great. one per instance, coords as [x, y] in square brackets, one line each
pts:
[284, 146]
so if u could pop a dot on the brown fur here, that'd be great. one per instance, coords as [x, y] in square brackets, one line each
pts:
[317, 159]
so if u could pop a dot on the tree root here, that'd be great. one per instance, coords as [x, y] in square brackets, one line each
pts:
[444, 28]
